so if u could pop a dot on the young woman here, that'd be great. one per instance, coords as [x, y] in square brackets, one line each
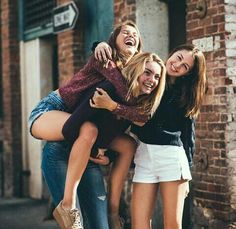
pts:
[146, 76]
[49, 124]
[167, 141]
[48, 117]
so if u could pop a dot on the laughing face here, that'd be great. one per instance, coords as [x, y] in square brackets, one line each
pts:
[127, 40]
[180, 63]
[149, 80]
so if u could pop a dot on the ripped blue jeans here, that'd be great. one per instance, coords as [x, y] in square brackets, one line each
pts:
[91, 191]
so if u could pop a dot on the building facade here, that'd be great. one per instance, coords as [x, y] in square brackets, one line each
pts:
[36, 59]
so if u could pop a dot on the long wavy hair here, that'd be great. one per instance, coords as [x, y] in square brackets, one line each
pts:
[119, 58]
[193, 84]
[148, 103]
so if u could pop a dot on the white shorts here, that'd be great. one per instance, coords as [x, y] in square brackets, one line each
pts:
[160, 163]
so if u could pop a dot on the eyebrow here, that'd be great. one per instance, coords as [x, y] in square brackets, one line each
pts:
[149, 70]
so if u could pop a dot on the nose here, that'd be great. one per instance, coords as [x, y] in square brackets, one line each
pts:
[152, 78]
[130, 35]
[178, 64]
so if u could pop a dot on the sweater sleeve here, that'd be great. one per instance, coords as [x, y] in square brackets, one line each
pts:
[188, 138]
[113, 75]
[131, 113]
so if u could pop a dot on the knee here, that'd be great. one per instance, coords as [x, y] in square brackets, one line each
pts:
[88, 132]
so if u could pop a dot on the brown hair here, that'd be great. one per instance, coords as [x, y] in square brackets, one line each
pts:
[119, 59]
[192, 84]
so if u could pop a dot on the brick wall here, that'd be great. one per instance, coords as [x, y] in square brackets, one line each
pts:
[11, 99]
[230, 43]
[70, 47]
[215, 128]
[124, 10]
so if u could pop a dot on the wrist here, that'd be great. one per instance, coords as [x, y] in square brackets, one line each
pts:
[113, 106]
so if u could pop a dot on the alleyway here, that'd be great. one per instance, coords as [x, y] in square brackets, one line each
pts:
[24, 214]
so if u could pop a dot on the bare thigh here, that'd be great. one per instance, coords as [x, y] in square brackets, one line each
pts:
[142, 205]
[123, 144]
[49, 125]
[173, 195]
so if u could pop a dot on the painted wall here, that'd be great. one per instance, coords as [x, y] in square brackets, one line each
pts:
[152, 20]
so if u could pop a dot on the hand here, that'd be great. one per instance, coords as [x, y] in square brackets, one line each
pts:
[101, 152]
[102, 100]
[103, 52]
[101, 160]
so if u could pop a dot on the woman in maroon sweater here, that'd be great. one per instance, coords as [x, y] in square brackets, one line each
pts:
[47, 125]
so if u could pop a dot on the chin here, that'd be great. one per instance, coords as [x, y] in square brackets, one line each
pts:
[130, 51]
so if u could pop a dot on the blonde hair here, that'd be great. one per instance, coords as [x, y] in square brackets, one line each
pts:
[120, 59]
[193, 84]
[135, 68]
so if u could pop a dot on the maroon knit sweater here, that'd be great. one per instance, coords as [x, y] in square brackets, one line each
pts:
[91, 74]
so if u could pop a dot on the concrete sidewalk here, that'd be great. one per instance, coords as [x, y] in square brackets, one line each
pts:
[24, 214]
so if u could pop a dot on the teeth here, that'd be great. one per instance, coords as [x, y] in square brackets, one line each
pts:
[148, 85]
[129, 42]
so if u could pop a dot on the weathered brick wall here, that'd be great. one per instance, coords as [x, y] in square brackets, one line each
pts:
[213, 173]
[11, 99]
[230, 43]
[124, 10]
[70, 47]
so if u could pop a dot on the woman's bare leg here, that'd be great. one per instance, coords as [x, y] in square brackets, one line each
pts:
[78, 160]
[142, 205]
[49, 125]
[173, 195]
[125, 146]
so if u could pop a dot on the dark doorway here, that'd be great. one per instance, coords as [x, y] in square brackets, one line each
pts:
[177, 23]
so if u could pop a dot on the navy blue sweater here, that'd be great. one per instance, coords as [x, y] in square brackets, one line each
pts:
[169, 126]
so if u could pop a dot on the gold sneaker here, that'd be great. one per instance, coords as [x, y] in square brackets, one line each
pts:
[115, 221]
[67, 219]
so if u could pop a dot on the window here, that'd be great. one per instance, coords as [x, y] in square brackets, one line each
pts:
[35, 18]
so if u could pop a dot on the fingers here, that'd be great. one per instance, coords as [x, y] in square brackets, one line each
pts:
[101, 152]
[100, 91]
[103, 52]
[101, 160]
[91, 103]
[103, 55]
[109, 52]
[100, 55]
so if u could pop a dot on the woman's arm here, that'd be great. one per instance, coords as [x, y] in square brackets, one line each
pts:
[103, 101]
[113, 75]
[188, 138]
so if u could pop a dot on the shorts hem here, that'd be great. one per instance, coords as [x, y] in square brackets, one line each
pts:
[168, 179]
[31, 124]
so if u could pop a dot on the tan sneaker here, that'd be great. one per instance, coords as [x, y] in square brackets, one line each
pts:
[67, 219]
[115, 221]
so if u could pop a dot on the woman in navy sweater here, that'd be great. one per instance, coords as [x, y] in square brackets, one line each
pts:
[166, 142]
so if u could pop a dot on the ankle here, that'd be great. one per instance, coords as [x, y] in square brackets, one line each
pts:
[67, 205]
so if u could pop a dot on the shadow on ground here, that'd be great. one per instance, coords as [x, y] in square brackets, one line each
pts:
[24, 214]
